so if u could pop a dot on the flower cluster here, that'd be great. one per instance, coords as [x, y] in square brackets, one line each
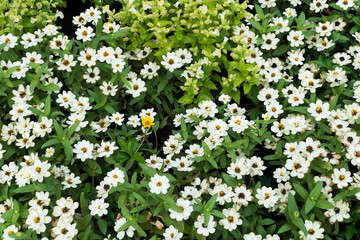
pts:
[96, 141]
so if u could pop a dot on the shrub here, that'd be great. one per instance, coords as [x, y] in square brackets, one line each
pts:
[27, 16]
[205, 33]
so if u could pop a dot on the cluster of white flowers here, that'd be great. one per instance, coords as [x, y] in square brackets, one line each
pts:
[312, 133]
[291, 84]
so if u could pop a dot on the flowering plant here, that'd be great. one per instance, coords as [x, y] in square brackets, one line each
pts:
[201, 37]
[79, 153]
[29, 15]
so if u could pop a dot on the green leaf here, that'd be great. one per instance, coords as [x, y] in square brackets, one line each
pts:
[256, 25]
[120, 32]
[301, 19]
[68, 149]
[125, 226]
[103, 226]
[25, 189]
[50, 142]
[211, 203]
[300, 190]
[47, 108]
[59, 131]
[72, 129]
[84, 204]
[324, 204]
[259, 11]
[162, 85]
[148, 170]
[170, 201]
[284, 228]
[183, 128]
[292, 206]
[280, 50]
[309, 205]
[139, 197]
[267, 221]
[352, 191]
[50, 87]
[315, 192]
[138, 229]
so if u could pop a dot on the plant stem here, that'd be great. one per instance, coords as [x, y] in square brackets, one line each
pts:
[142, 141]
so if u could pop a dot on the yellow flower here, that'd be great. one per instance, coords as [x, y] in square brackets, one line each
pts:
[147, 121]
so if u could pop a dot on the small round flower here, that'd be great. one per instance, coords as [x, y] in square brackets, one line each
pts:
[9, 230]
[201, 228]
[171, 233]
[341, 177]
[314, 231]
[224, 98]
[84, 33]
[339, 213]
[147, 121]
[83, 150]
[231, 220]
[186, 210]
[98, 207]
[270, 41]
[171, 61]
[159, 184]
[319, 110]
[267, 197]
[203, 9]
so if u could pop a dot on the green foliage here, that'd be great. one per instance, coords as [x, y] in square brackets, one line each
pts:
[21, 16]
[169, 27]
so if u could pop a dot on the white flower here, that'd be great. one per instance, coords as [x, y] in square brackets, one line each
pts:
[242, 195]
[83, 150]
[184, 55]
[107, 149]
[65, 230]
[224, 98]
[186, 210]
[134, 121]
[319, 110]
[203, 9]
[117, 118]
[339, 213]
[314, 231]
[252, 236]
[136, 87]
[231, 220]
[71, 181]
[116, 176]
[270, 41]
[266, 196]
[217, 53]
[341, 177]
[150, 70]
[65, 207]
[159, 184]
[37, 219]
[117, 65]
[108, 88]
[98, 207]
[120, 235]
[40, 170]
[318, 5]
[201, 228]
[66, 63]
[9, 230]
[171, 233]
[84, 33]
[10, 40]
[171, 61]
